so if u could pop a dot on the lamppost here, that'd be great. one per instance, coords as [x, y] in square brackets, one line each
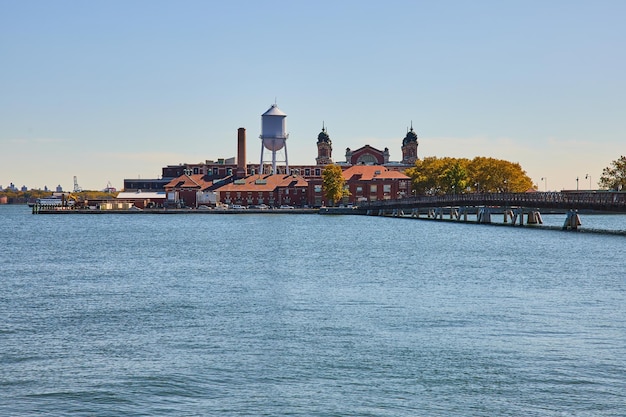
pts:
[576, 183]
[545, 183]
[588, 176]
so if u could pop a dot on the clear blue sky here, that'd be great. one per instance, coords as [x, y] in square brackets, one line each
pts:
[107, 90]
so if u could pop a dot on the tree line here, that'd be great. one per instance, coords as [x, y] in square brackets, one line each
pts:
[436, 176]
[22, 197]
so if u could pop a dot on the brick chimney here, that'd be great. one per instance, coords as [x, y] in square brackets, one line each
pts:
[242, 169]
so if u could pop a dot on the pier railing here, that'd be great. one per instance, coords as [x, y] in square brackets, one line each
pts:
[601, 201]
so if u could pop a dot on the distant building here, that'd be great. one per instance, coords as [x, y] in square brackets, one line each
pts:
[157, 184]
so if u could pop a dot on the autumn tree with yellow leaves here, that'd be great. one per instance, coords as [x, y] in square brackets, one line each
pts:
[435, 176]
[333, 183]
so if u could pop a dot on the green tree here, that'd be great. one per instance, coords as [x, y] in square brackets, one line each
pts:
[614, 176]
[454, 178]
[333, 183]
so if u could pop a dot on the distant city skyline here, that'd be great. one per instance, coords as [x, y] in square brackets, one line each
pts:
[110, 90]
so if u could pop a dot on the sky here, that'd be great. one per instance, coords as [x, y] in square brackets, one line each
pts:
[107, 90]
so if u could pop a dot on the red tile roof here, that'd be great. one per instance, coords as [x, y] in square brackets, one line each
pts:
[264, 183]
[370, 172]
[195, 181]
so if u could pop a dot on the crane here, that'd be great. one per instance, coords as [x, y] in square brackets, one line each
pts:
[77, 188]
[110, 188]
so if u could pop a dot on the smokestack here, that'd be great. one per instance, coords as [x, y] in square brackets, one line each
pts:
[242, 169]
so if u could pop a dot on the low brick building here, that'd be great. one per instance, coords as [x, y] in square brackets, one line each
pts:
[271, 190]
[191, 190]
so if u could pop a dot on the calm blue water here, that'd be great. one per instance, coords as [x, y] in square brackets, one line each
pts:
[307, 315]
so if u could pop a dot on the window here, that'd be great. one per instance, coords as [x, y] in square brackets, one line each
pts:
[318, 172]
[307, 172]
[373, 188]
[366, 159]
[318, 188]
[387, 188]
[359, 190]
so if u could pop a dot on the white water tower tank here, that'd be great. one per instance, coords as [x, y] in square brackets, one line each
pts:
[274, 137]
[273, 128]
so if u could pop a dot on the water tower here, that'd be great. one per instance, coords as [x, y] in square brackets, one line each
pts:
[273, 138]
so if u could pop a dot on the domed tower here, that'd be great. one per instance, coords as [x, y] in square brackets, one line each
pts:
[273, 137]
[409, 147]
[324, 148]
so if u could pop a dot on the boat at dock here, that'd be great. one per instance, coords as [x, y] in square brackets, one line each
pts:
[53, 201]
[47, 201]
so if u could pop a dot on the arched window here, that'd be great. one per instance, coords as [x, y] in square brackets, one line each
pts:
[367, 159]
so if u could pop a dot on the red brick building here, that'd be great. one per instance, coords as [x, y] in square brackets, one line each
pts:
[374, 182]
[364, 183]
[190, 190]
[271, 190]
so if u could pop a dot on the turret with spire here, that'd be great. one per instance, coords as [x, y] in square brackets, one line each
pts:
[409, 147]
[324, 148]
